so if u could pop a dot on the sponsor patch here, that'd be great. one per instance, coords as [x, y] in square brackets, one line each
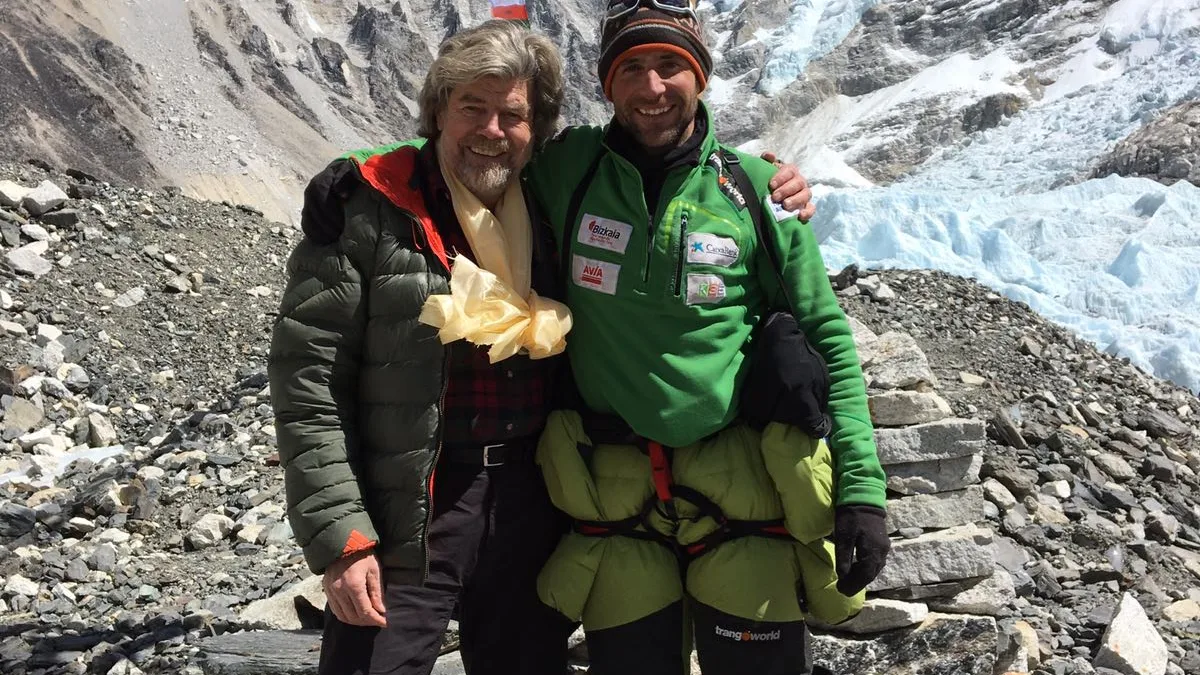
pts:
[711, 249]
[595, 274]
[725, 181]
[611, 235]
[705, 288]
[781, 214]
[747, 636]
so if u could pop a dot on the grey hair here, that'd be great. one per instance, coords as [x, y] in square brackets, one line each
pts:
[496, 48]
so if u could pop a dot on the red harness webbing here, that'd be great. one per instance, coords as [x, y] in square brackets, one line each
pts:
[661, 469]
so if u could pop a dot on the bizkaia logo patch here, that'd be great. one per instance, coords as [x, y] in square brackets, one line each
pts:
[611, 235]
[705, 288]
[711, 249]
[747, 636]
[595, 274]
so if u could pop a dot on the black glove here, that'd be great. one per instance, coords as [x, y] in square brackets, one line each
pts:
[861, 544]
[788, 380]
[323, 217]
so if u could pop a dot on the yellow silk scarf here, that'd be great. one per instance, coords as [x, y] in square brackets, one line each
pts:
[493, 303]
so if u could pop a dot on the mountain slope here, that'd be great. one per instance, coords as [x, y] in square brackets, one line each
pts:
[246, 98]
[953, 106]
[234, 99]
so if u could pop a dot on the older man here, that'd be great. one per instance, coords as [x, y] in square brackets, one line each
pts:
[409, 473]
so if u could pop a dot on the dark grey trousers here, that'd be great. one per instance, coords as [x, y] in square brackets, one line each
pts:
[725, 645]
[492, 531]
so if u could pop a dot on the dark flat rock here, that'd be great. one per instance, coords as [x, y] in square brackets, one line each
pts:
[281, 652]
[274, 652]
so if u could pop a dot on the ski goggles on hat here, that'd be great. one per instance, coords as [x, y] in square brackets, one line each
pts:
[620, 8]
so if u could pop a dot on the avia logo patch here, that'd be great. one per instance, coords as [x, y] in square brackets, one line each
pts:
[709, 249]
[592, 274]
[595, 274]
[747, 636]
[611, 235]
[705, 289]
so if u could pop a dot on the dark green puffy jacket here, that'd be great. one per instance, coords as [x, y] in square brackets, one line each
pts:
[356, 381]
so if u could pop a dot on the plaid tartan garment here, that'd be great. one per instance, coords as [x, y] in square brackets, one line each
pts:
[488, 403]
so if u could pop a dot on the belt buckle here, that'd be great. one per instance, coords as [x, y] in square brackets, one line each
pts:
[487, 459]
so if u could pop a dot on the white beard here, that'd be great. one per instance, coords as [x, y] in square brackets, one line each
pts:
[488, 184]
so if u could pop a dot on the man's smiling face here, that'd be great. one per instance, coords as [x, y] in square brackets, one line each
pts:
[655, 95]
[486, 133]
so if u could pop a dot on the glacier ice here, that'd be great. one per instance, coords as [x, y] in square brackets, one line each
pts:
[1090, 256]
[1115, 259]
[814, 28]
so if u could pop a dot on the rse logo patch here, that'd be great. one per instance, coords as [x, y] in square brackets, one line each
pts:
[705, 289]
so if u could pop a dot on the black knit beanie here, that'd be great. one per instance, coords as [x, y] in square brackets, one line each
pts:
[648, 29]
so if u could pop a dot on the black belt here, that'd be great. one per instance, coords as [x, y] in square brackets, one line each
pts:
[518, 451]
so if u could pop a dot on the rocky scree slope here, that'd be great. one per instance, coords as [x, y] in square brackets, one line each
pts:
[134, 327]
[143, 336]
[1090, 467]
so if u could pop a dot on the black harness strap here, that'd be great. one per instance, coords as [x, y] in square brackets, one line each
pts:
[765, 240]
[573, 206]
[707, 507]
[627, 527]
[727, 528]
[611, 429]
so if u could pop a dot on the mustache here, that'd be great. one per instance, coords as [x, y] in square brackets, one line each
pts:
[665, 99]
[489, 145]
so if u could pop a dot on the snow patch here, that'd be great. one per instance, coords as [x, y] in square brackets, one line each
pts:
[1057, 138]
[814, 29]
[1131, 33]
[1129, 21]
[50, 468]
[720, 91]
[961, 78]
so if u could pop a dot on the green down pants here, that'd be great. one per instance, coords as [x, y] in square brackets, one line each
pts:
[614, 580]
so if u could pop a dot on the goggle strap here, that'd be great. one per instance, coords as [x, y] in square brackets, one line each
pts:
[620, 8]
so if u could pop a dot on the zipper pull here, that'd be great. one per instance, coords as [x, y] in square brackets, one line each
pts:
[681, 258]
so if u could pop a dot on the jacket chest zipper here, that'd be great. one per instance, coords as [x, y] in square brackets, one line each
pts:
[682, 256]
[649, 247]
[436, 455]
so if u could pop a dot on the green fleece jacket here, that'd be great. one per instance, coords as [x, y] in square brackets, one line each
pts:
[665, 298]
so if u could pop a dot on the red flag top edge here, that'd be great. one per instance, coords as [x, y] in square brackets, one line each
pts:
[512, 10]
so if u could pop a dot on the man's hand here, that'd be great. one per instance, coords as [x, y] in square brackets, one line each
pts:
[790, 189]
[354, 590]
[860, 544]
